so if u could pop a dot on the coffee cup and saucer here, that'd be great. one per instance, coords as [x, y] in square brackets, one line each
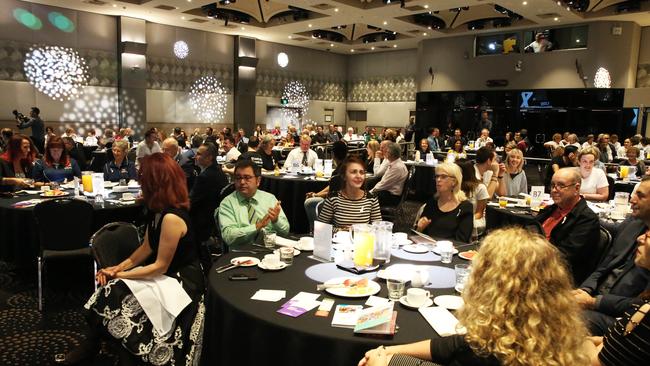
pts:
[271, 262]
[416, 298]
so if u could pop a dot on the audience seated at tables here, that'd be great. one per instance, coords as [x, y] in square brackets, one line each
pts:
[626, 341]
[75, 151]
[17, 163]
[570, 224]
[449, 215]
[169, 249]
[381, 163]
[107, 140]
[351, 204]
[350, 135]
[302, 155]
[252, 153]
[147, 146]
[266, 152]
[483, 139]
[319, 137]
[509, 146]
[622, 151]
[91, 139]
[613, 140]
[513, 179]
[436, 142]
[568, 159]
[594, 185]
[389, 188]
[615, 285]
[205, 193]
[590, 142]
[458, 149]
[120, 167]
[245, 212]
[371, 151]
[339, 153]
[457, 136]
[554, 143]
[521, 138]
[517, 310]
[607, 155]
[5, 136]
[423, 148]
[632, 155]
[476, 193]
[171, 148]
[229, 148]
[486, 169]
[56, 165]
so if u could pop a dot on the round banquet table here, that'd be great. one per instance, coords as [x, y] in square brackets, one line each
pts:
[291, 192]
[241, 331]
[20, 242]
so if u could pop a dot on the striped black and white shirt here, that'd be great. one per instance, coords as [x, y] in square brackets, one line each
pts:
[343, 212]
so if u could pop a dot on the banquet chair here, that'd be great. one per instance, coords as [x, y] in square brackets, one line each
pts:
[612, 186]
[55, 242]
[388, 213]
[113, 243]
[602, 247]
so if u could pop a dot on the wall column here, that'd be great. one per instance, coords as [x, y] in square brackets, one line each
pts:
[245, 84]
[132, 74]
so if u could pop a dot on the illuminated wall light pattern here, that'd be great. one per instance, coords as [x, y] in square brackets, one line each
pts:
[297, 96]
[56, 71]
[602, 78]
[27, 19]
[97, 108]
[181, 49]
[208, 99]
[61, 22]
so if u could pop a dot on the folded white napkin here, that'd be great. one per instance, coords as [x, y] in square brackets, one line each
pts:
[162, 298]
[284, 242]
[442, 321]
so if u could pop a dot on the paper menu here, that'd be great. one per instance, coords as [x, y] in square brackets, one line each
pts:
[441, 320]
[345, 316]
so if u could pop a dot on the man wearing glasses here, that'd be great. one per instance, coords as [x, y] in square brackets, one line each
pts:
[243, 213]
[570, 224]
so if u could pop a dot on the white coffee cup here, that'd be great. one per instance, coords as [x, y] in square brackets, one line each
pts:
[128, 196]
[417, 296]
[445, 246]
[305, 243]
[272, 260]
[400, 238]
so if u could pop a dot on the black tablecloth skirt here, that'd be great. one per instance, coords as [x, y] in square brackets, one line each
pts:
[292, 194]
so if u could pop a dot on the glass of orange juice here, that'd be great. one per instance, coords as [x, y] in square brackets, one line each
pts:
[364, 244]
[623, 171]
[503, 202]
[87, 181]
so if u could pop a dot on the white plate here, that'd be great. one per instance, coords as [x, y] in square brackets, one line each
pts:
[296, 252]
[372, 288]
[450, 302]
[62, 194]
[435, 250]
[253, 261]
[280, 266]
[416, 248]
[403, 300]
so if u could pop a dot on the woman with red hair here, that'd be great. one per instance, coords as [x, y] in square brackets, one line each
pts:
[168, 254]
[56, 165]
[17, 163]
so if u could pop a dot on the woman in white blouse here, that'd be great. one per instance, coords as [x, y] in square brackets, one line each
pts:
[594, 186]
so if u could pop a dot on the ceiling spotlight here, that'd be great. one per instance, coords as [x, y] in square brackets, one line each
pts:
[385, 22]
[290, 37]
[524, 3]
[424, 34]
[394, 46]
[283, 59]
[556, 19]
[183, 18]
[309, 25]
[242, 28]
[352, 50]
[336, 10]
[426, 6]
[372, 48]
[181, 49]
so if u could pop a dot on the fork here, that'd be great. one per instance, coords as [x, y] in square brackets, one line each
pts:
[244, 251]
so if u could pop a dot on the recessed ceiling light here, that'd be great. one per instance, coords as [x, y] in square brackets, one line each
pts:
[424, 34]
[385, 22]
[352, 50]
[426, 6]
[372, 48]
[429, 27]
[189, 1]
[242, 28]
[568, 8]
[115, 6]
[336, 9]
[559, 3]
[577, 41]
[331, 44]
[556, 19]
[290, 37]
[524, 3]
[394, 46]
[183, 18]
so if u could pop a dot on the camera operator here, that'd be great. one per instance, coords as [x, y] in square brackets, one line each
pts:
[36, 123]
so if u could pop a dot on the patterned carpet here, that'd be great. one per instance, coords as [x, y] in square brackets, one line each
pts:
[29, 337]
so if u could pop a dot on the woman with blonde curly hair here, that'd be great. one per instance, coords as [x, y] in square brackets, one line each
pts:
[518, 311]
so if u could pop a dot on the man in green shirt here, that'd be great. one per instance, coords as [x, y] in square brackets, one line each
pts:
[243, 213]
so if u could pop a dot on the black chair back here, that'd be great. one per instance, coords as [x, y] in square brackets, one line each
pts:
[64, 224]
[611, 183]
[602, 247]
[113, 243]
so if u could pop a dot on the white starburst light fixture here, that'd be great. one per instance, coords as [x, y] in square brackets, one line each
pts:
[208, 99]
[283, 59]
[602, 78]
[58, 72]
[297, 96]
[181, 49]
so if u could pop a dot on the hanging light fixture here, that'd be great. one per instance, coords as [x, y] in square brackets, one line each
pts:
[181, 49]
[602, 78]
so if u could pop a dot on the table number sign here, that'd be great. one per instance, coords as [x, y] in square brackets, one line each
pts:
[322, 241]
[536, 195]
[327, 167]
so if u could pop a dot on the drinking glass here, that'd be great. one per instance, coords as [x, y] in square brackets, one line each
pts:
[503, 203]
[87, 181]
[269, 239]
[395, 289]
[446, 255]
[286, 255]
[462, 274]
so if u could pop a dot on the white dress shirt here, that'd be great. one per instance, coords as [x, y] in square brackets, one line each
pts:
[143, 150]
[296, 155]
[393, 179]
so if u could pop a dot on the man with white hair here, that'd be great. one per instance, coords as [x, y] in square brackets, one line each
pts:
[302, 155]
[350, 136]
[483, 139]
[170, 147]
[389, 188]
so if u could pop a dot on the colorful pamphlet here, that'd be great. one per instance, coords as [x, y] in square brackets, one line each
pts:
[345, 316]
[375, 320]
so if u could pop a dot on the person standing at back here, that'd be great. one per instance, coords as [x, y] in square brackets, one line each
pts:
[38, 128]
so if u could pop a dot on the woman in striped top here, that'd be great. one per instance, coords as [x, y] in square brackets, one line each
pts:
[352, 204]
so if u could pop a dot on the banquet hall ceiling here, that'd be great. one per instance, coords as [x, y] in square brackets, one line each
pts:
[345, 26]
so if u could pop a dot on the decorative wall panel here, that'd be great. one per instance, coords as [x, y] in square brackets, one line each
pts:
[173, 74]
[643, 76]
[271, 83]
[382, 89]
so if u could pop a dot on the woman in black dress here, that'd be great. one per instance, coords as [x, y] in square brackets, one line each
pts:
[168, 251]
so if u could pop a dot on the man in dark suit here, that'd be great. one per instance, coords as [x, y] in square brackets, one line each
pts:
[615, 285]
[570, 224]
[204, 196]
[171, 148]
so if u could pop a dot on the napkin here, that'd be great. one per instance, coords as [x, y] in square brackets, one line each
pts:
[162, 298]
[442, 321]
[269, 295]
[284, 242]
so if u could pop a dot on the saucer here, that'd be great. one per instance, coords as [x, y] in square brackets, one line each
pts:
[265, 267]
[450, 302]
[405, 242]
[435, 250]
[403, 300]
[416, 248]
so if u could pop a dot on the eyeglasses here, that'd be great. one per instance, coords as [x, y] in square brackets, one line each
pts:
[443, 176]
[244, 177]
[560, 187]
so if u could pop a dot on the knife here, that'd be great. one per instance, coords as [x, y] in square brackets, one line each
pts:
[422, 235]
